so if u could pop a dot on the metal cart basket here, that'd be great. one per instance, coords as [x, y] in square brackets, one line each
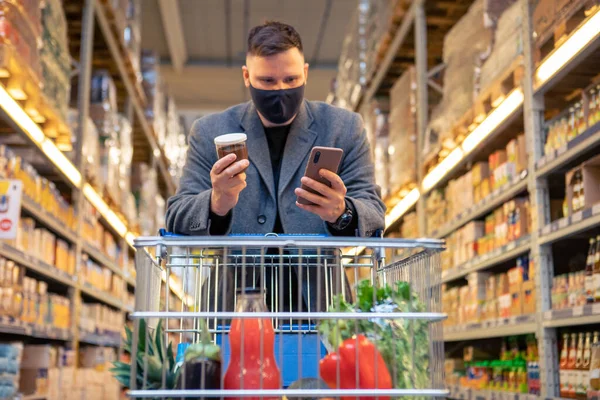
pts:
[319, 293]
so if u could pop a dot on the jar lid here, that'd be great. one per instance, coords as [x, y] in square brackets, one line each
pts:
[230, 138]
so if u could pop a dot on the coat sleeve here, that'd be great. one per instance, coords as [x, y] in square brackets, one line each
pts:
[358, 173]
[188, 211]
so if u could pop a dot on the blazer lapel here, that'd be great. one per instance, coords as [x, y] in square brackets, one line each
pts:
[298, 146]
[258, 148]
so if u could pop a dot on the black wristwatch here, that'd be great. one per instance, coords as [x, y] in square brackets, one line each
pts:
[344, 220]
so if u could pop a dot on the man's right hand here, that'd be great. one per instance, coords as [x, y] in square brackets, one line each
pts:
[228, 180]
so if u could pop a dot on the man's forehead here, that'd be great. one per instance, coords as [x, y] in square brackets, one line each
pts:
[290, 57]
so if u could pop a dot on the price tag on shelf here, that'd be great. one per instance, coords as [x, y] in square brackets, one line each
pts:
[548, 315]
[562, 150]
[563, 223]
[596, 309]
[550, 156]
[547, 229]
[596, 209]
[578, 311]
[541, 162]
[511, 246]
[577, 217]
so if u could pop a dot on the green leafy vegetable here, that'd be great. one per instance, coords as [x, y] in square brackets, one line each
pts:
[403, 343]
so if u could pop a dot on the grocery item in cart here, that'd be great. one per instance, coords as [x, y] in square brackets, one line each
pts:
[252, 364]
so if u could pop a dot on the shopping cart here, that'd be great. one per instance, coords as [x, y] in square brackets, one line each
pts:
[393, 304]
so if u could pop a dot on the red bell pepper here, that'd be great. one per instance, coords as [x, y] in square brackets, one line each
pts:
[372, 371]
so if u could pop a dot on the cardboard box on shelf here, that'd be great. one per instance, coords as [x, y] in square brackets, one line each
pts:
[480, 172]
[502, 286]
[528, 297]
[516, 305]
[504, 305]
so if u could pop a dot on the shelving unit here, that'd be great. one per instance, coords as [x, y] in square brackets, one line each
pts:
[96, 42]
[572, 65]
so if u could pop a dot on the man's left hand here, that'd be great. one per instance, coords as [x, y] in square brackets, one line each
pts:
[331, 203]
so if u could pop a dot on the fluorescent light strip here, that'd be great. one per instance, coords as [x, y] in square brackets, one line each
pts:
[569, 49]
[489, 125]
[440, 170]
[129, 238]
[402, 207]
[104, 209]
[35, 133]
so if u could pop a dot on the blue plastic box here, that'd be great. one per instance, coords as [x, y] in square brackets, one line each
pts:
[311, 354]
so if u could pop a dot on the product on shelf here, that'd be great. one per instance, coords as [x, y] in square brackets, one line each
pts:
[98, 319]
[574, 120]
[156, 110]
[10, 360]
[55, 57]
[37, 188]
[376, 117]
[582, 186]
[576, 365]
[144, 185]
[467, 42]
[90, 149]
[19, 40]
[410, 226]
[514, 370]
[101, 278]
[581, 287]
[507, 43]
[95, 234]
[489, 297]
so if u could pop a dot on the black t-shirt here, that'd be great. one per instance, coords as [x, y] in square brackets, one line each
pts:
[276, 138]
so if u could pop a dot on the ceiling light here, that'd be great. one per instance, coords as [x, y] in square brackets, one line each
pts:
[402, 207]
[129, 238]
[491, 123]
[573, 45]
[61, 161]
[440, 170]
[17, 114]
[103, 208]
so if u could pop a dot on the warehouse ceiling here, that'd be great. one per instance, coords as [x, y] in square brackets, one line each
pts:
[202, 44]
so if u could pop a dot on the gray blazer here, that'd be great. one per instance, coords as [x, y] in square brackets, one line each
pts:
[317, 124]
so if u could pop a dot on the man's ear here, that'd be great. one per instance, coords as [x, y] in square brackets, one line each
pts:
[305, 73]
[246, 76]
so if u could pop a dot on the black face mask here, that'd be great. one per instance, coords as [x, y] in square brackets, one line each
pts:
[278, 106]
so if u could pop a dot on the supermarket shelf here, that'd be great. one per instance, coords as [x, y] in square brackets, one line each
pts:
[491, 202]
[520, 325]
[102, 259]
[100, 340]
[569, 226]
[32, 263]
[11, 327]
[101, 296]
[585, 50]
[498, 256]
[461, 393]
[581, 315]
[46, 219]
[155, 151]
[560, 159]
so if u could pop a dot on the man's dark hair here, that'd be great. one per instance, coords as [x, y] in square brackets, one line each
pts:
[272, 38]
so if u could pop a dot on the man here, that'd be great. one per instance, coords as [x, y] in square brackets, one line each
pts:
[258, 196]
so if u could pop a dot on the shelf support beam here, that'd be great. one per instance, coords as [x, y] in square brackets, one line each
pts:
[83, 104]
[422, 102]
[533, 114]
[173, 30]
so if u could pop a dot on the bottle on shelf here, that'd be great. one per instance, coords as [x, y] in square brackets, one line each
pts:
[572, 133]
[590, 290]
[595, 363]
[592, 107]
[577, 375]
[585, 367]
[564, 361]
[581, 122]
[576, 203]
[597, 270]
[571, 367]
